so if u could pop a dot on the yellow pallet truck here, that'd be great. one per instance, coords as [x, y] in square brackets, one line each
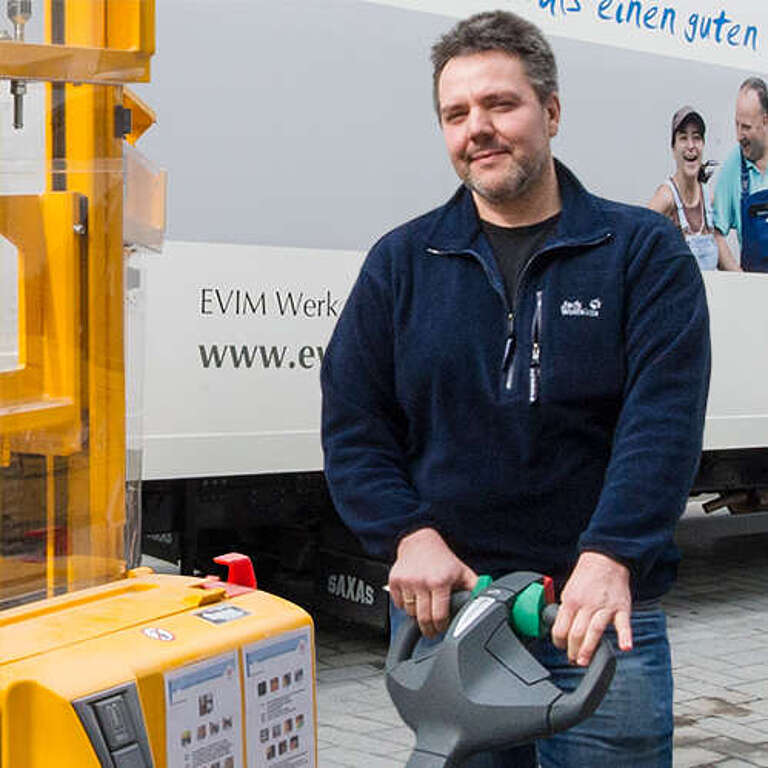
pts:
[103, 663]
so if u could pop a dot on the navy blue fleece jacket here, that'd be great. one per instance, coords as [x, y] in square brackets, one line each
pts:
[524, 434]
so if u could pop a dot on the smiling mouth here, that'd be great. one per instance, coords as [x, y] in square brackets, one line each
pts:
[485, 154]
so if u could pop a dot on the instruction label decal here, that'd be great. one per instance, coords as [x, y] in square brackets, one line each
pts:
[279, 702]
[203, 714]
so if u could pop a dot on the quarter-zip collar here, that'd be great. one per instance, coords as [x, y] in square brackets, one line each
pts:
[457, 229]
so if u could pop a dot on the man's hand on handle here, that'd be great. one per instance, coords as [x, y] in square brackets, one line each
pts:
[597, 594]
[423, 577]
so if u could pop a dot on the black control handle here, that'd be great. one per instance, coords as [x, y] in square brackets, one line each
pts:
[409, 633]
[572, 708]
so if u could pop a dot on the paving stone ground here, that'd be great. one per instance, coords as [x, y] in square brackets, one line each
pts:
[718, 620]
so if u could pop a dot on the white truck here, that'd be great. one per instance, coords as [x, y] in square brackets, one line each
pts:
[295, 133]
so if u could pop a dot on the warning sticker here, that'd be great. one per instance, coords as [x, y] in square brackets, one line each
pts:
[221, 614]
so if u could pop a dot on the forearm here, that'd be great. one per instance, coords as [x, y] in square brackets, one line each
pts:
[367, 476]
[725, 258]
[645, 489]
[657, 439]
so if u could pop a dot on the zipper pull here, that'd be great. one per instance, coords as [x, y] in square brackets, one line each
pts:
[535, 366]
[535, 375]
[509, 350]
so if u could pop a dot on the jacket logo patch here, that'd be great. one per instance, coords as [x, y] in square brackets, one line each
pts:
[577, 308]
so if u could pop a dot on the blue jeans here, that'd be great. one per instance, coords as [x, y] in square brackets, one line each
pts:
[632, 727]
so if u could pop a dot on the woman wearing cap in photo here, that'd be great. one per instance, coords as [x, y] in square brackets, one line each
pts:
[683, 200]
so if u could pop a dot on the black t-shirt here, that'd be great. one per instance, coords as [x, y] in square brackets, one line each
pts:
[513, 246]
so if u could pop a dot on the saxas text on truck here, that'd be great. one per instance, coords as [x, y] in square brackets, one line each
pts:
[350, 587]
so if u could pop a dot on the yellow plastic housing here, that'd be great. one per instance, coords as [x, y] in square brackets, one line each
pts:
[60, 650]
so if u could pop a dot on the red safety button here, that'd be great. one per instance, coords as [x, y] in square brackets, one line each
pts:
[549, 589]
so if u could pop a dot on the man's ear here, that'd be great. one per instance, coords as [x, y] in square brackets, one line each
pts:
[553, 109]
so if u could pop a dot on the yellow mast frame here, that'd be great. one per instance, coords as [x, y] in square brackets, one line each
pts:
[65, 403]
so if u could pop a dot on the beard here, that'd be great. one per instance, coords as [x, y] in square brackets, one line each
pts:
[519, 178]
[753, 149]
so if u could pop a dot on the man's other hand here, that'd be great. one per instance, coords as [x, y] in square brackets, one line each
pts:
[597, 594]
[424, 575]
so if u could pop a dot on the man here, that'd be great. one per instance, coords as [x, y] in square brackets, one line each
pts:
[742, 186]
[518, 381]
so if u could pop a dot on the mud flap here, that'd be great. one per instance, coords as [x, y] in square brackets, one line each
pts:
[351, 588]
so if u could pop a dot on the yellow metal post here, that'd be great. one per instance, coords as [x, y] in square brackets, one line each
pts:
[92, 161]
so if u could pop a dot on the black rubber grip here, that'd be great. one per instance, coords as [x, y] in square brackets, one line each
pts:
[549, 614]
[572, 708]
[402, 645]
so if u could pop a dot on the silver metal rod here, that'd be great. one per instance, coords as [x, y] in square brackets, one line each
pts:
[18, 89]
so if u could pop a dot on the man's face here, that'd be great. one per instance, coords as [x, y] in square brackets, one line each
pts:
[751, 124]
[496, 129]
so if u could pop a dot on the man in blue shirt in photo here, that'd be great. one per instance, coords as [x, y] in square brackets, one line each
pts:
[741, 195]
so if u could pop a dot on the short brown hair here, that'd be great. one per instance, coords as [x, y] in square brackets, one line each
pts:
[498, 31]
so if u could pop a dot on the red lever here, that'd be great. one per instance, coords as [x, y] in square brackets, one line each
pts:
[549, 589]
[240, 569]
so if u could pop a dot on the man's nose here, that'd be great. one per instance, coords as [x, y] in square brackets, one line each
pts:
[480, 122]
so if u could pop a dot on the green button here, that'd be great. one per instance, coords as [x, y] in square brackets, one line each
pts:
[483, 582]
[525, 618]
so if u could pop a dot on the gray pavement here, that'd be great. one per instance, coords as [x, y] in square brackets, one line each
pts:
[718, 620]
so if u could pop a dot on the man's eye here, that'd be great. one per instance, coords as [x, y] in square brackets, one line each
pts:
[505, 105]
[453, 117]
